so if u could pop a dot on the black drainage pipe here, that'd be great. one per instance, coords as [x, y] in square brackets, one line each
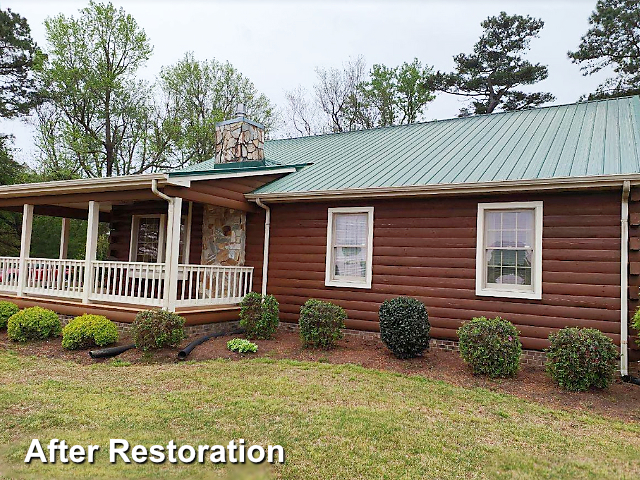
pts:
[184, 353]
[110, 352]
[631, 379]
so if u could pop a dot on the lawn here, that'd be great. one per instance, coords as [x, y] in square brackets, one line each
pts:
[335, 421]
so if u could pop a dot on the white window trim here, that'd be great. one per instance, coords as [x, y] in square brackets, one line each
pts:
[509, 291]
[135, 225]
[329, 280]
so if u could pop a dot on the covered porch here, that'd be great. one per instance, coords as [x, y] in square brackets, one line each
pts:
[153, 262]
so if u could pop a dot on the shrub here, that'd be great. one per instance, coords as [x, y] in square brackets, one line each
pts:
[89, 331]
[635, 323]
[404, 326]
[7, 309]
[321, 323]
[241, 345]
[35, 323]
[156, 329]
[490, 346]
[259, 316]
[581, 358]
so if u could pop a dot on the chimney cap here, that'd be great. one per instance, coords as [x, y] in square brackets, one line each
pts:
[240, 112]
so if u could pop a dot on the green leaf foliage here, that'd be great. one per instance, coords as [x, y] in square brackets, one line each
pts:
[154, 329]
[89, 331]
[35, 323]
[581, 358]
[404, 326]
[241, 345]
[635, 323]
[259, 316]
[321, 324]
[490, 346]
[490, 75]
[7, 309]
[613, 40]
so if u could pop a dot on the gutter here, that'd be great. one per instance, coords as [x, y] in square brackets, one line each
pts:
[265, 258]
[505, 186]
[624, 280]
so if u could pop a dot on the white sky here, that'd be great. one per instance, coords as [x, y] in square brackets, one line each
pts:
[278, 44]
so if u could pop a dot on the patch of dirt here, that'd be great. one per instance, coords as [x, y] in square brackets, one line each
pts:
[621, 400]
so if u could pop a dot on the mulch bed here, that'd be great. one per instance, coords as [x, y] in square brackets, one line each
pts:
[621, 400]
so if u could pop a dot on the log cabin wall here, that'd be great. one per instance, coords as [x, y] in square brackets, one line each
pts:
[426, 248]
[121, 216]
[634, 267]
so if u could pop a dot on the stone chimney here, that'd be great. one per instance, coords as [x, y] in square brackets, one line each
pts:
[239, 139]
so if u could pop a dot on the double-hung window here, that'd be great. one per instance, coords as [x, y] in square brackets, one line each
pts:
[509, 250]
[349, 247]
[148, 240]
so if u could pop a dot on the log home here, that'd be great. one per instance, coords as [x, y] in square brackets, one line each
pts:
[531, 215]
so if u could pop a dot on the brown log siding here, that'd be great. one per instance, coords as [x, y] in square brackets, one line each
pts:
[426, 248]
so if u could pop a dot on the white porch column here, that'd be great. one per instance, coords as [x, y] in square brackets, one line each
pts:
[92, 244]
[25, 247]
[64, 238]
[172, 254]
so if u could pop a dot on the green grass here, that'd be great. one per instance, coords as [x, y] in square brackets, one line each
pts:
[335, 421]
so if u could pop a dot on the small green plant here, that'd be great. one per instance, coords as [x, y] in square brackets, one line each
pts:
[490, 346]
[241, 345]
[153, 329]
[635, 323]
[89, 331]
[321, 324]
[7, 309]
[259, 316]
[35, 323]
[117, 362]
[404, 326]
[580, 358]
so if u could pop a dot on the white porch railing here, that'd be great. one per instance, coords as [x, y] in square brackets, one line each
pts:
[56, 278]
[200, 285]
[9, 273]
[128, 282]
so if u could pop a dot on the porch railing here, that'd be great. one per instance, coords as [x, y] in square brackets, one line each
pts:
[212, 285]
[56, 278]
[127, 282]
[9, 274]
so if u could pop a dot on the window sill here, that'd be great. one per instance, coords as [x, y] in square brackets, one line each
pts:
[345, 284]
[487, 292]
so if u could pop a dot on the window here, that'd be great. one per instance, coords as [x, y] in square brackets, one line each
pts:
[349, 247]
[148, 240]
[509, 250]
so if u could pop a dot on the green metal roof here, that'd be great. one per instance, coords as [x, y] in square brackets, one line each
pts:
[578, 140]
[210, 167]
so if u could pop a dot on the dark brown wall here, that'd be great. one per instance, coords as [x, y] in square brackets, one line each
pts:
[121, 227]
[634, 265]
[426, 248]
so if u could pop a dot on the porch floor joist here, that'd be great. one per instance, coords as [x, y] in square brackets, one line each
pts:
[125, 313]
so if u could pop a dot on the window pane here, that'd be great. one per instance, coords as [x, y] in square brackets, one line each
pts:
[148, 237]
[351, 229]
[350, 262]
[508, 276]
[350, 245]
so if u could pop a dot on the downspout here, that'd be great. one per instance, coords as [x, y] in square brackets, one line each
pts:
[158, 193]
[624, 280]
[265, 260]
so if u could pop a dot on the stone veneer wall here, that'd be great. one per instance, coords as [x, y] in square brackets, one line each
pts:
[239, 140]
[224, 233]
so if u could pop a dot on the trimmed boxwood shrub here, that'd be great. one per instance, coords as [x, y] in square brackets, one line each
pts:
[7, 309]
[153, 329]
[89, 331]
[35, 323]
[490, 346]
[580, 358]
[321, 323]
[404, 326]
[259, 317]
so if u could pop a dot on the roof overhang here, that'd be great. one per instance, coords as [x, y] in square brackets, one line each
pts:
[482, 188]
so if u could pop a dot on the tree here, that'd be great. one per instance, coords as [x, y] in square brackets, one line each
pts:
[194, 95]
[97, 111]
[19, 57]
[302, 114]
[491, 74]
[613, 40]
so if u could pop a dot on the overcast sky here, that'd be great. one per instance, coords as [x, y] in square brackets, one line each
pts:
[278, 44]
